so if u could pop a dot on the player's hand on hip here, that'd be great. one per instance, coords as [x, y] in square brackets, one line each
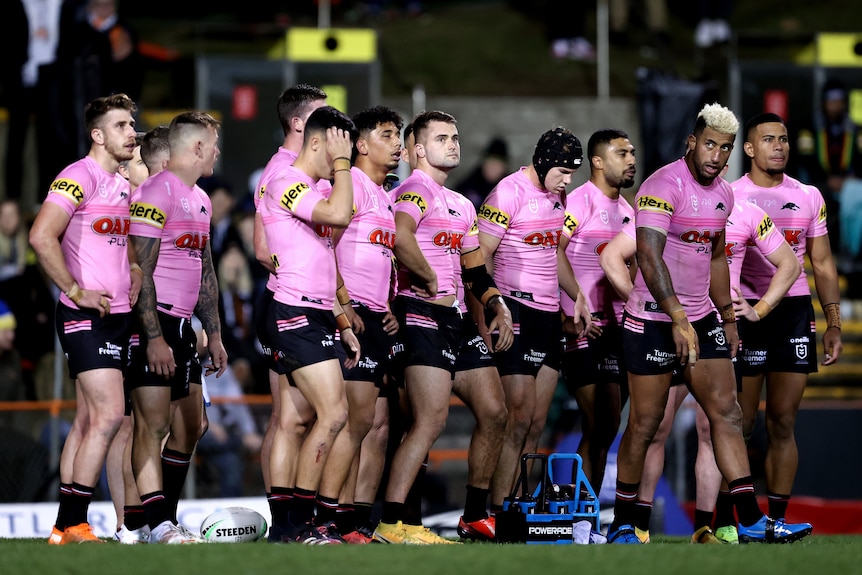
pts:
[390, 324]
[99, 300]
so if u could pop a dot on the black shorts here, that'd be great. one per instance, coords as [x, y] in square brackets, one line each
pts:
[90, 341]
[649, 348]
[261, 311]
[473, 353]
[430, 333]
[783, 341]
[300, 336]
[375, 345]
[538, 341]
[590, 361]
[181, 338]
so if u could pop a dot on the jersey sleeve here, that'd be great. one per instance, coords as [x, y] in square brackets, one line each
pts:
[412, 201]
[68, 190]
[817, 227]
[654, 204]
[149, 214]
[495, 215]
[293, 195]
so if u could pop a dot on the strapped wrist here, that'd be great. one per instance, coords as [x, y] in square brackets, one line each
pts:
[75, 293]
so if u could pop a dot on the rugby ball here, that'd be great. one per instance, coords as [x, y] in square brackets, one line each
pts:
[233, 525]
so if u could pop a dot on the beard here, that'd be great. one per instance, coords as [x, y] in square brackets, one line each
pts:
[775, 171]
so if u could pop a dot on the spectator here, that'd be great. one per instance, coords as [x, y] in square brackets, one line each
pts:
[224, 232]
[235, 308]
[495, 164]
[713, 27]
[11, 377]
[13, 241]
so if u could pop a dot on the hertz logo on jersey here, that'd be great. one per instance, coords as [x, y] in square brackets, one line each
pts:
[69, 188]
[822, 215]
[654, 204]
[144, 213]
[474, 228]
[765, 227]
[495, 216]
[414, 198]
[293, 194]
[571, 224]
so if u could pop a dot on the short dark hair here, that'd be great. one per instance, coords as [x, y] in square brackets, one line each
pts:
[367, 120]
[764, 118]
[603, 138]
[327, 117]
[98, 108]
[294, 102]
[423, 119]
[154, 143]
[193, 119]
[408, 129]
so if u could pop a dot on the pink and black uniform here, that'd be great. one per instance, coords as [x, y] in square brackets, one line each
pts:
[300, 324]
[592, 220]
[785, 340]
[178, 216]
[692, 215]
[429, 331]
[365, 261]
[94, 248]
[280, 160]
[528, 222]
[473, 352]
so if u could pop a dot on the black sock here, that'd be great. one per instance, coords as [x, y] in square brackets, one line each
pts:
[747, 510]
[702, 518]
[345, 518]
[493, 509]
[777, 504]
[63, 511]
[624, 505]
[79, 503]
[303, 507]
[724, 510]
[155, 508]
[362, 514]
[280, 502]
[412, 514]
[326, 509]
[393, 512]
[475, 504]
[134, 517]
[643, 514]
[175, 468]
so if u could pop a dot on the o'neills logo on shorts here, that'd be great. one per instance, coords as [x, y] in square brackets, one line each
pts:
[149, 214]
[654, 204]
[69, 188]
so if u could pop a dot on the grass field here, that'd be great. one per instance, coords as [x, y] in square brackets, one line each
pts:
[824, 555]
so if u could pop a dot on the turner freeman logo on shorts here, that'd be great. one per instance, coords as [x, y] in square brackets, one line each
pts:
[653, 204]
[291, 196]
[494, 215]
[413, 198]
[661, 357]
[112, 350]
[149, 214]
[69, 188]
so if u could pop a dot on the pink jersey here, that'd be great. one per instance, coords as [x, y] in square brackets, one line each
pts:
[592, 220]
[163, 207]
[748, 227]
[301, 250]
[94, 243]
[671, 199]
[528, 221]
[466, 229]
[364, 251]
[798, 212]
[281, 159]
[424, 200]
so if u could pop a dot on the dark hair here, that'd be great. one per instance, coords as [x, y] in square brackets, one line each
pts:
[367, 120]
[423, 119]
[190, 120]
[764, 118]
[154, 143]
[408, 129]
[98, 108]
[294, 102]
[603, 138]
[327, 117]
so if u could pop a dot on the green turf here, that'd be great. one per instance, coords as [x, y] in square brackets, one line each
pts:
[821, 555]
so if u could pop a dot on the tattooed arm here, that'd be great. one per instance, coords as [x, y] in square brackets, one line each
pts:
[207, 312]
[160, 357]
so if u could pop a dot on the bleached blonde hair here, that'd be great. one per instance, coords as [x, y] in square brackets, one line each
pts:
[717, 117]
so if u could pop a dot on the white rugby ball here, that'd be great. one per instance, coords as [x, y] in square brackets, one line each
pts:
[233, 525]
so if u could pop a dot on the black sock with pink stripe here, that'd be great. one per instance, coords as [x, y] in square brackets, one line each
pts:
[625, 511]
[175, 468]
[747, 509]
